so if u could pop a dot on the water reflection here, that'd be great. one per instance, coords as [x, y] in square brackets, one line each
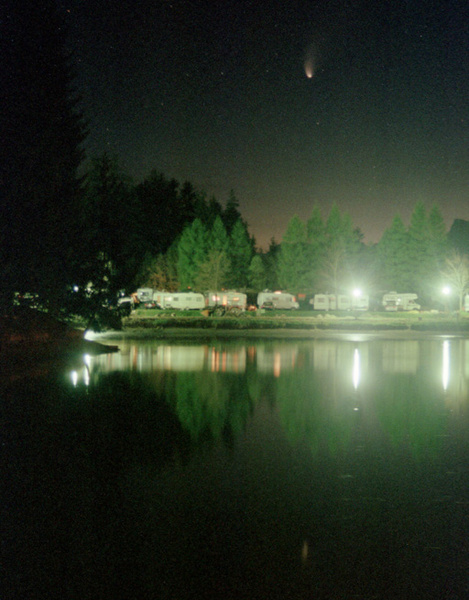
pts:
[214, 387]
[296, 469]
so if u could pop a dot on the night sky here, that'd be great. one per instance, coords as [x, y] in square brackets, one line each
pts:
[289, 103]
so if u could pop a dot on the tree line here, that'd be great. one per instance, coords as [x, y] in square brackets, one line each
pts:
[76, 229]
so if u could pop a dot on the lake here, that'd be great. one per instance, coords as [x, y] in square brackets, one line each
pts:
[332, 468]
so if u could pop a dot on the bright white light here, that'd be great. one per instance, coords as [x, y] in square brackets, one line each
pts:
[74, 376]
[446, 290]
[445, 364]
[356, 368]
[357, 292]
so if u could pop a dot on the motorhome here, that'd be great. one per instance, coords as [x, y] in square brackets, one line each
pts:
[277, 300]
[394, 301]
[340, 302]
[226, 298]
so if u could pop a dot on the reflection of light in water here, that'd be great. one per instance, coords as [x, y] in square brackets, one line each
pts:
[445, 364]
[304, 552]
[356, 368]
[74, 376]
[277, 364]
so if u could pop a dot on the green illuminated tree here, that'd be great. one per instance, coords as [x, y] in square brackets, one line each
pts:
[293, 264]
[257, 274]
[213, 273]
[343, 244]
[192, 253]
[316, 237]
[393, 257]
[239, 253]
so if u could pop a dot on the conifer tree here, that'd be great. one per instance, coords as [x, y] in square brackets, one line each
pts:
[293, 265]
[192, 253]
[421, 249]
[316, 238]
[395, 263]
[239, 253]
[41, 132]
[231, 213]
[257, 274]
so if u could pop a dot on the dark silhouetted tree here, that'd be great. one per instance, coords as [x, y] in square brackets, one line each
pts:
[41, 131]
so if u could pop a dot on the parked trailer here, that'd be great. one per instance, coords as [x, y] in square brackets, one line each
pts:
[277, 300]
[184, 301]
[340, 302]
[394, 301]
[144, 295]
[227, 299]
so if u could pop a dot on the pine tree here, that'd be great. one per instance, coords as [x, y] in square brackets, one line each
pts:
[111, 225]
[420, 250]
[293, 264]
[395, 263]
[231, 213]
[218, 238]
[239, 252]
[257, 274]
[42, 131]
[192, 253]
[316, 238]
[438, 236]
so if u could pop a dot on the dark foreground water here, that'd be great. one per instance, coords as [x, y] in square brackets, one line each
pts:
[325, 469]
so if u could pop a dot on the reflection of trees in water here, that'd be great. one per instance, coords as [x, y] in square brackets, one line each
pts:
[411, 411]
[211, 404]
[71, 454]
[319, 409]
[310, 412]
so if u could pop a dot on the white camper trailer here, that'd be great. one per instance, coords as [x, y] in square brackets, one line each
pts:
[184, 301]
[277, 300]
[144, 295]
[340, 302]
[229, 299]
[394, 301]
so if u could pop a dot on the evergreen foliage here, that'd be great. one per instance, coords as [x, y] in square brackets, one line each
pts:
[239, 253]
[293, 265]
[192, 253]
[395, 263]
[42, 131]
[257, 273]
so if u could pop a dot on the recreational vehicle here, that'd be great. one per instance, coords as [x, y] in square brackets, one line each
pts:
[144, 295]
[277, 300]
[184, 301]
[394, 301]
[339, 302]
[228, 299]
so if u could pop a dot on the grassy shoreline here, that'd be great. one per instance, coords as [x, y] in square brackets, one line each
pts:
[161, 323]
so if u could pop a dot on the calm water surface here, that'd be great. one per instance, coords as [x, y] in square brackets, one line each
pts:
[330, 468]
